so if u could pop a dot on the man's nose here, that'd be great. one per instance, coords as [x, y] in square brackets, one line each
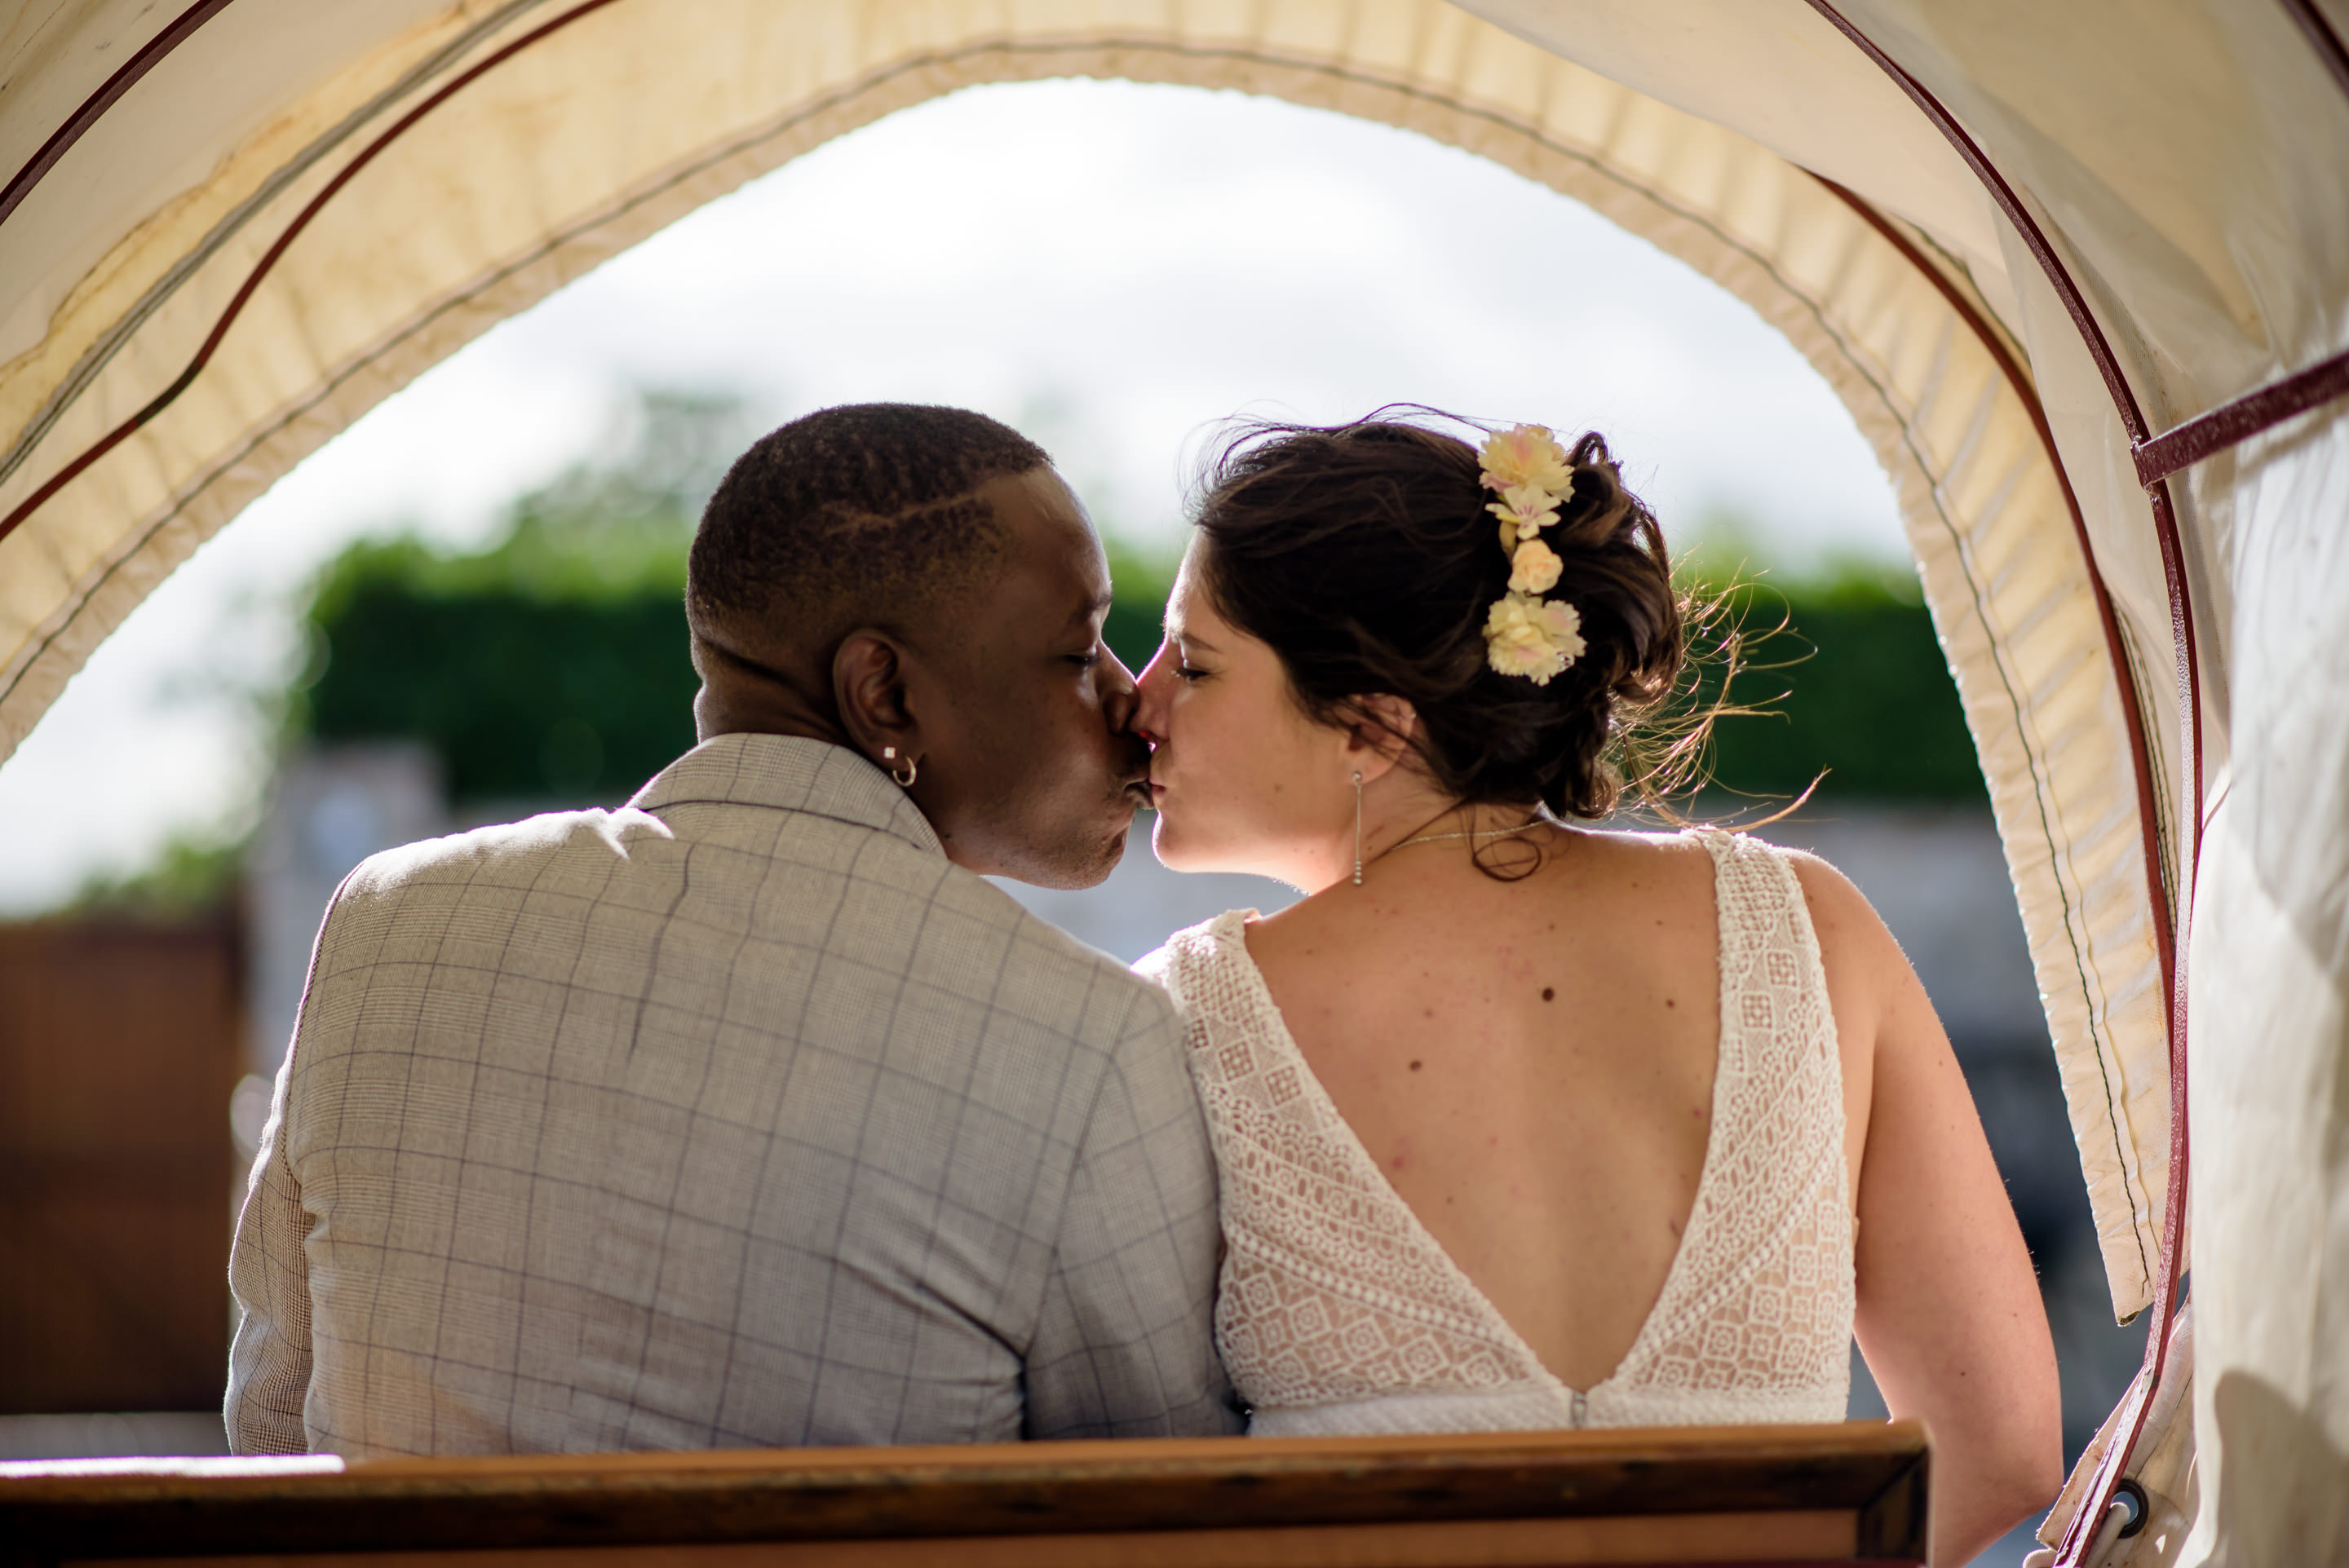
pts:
[1119, 697]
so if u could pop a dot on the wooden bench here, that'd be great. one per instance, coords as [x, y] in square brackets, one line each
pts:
[1830, 1494]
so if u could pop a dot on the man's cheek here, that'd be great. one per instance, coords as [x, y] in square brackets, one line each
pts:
[1081, 734]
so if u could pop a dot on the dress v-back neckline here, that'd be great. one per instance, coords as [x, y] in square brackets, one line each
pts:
[1229, 931]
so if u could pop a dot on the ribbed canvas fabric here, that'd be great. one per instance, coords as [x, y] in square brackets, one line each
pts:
[737, 1116]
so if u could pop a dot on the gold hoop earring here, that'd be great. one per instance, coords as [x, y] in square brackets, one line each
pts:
[913, 769]
[1358, 827]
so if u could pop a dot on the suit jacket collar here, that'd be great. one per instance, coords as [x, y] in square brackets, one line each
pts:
[788, 773]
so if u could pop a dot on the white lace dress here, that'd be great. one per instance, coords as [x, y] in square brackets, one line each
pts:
[1340, 1314]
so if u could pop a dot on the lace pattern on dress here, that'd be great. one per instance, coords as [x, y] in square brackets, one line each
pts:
[1760, 1300]
[1339, 1312]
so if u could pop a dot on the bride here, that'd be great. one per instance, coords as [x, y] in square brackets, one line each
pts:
[1522, 1123]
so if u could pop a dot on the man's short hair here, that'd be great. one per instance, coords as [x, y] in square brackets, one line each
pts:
[863, 514]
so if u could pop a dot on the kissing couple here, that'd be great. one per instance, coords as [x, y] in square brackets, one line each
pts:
[749, 1115]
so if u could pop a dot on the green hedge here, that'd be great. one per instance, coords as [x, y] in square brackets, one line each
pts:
[1855, 688]
[520, 697]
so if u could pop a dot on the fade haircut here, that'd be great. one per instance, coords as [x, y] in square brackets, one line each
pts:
[863, 514]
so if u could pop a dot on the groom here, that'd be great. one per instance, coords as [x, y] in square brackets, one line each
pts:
[746, 1114]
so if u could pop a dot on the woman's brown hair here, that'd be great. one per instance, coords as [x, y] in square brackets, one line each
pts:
[1364, 556]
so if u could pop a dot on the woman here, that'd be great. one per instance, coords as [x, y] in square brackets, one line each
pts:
[1525, 1124]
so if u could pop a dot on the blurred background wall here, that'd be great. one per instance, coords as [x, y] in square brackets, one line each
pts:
[115, 1025]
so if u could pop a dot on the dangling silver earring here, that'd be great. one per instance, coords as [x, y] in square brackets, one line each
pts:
[1358, 827]
[913, 769]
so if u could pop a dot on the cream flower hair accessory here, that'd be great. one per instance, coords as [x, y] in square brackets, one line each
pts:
[1526, 510]
[1528, 456]
[1526, 635]
[1536, 638]
[1534, 568]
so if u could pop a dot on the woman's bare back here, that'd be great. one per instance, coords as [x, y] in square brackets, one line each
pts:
[1531, 1063]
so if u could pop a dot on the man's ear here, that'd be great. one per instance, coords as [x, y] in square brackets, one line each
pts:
[1379, 729]
[869, 686]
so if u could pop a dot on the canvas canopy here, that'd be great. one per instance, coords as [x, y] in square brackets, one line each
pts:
[2017, 240]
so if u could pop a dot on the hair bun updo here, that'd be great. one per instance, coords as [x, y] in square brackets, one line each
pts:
[1364, 555]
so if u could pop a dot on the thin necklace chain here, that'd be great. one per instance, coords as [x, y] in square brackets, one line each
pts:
[1525, 827]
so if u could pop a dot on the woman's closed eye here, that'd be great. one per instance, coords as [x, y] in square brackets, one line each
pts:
[1184, 670]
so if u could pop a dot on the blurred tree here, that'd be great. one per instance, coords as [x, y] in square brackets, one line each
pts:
[192, 875]
[552, 665]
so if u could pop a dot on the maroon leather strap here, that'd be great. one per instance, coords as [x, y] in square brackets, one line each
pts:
[2231, 423]
[2322, 39]
[94, 107]
[366, 155]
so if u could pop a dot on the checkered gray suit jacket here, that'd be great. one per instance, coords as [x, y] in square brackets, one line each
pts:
[737, 1117]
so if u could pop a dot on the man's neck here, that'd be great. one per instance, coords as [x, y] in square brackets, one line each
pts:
[709, 726]
[741, 695]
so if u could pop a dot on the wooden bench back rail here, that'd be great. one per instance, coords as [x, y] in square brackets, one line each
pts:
[1854, 1493]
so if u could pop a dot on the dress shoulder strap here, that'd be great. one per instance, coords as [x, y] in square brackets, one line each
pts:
[1237, 1042]
[1773, 987]
[1185, 962]
[1761, 902]
[1777, 1031]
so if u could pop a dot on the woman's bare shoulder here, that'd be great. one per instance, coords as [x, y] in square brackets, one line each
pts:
[1641, 841]
[1841, 915]
[1623, 853]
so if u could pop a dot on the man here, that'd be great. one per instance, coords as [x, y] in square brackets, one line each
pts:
[748, 1115]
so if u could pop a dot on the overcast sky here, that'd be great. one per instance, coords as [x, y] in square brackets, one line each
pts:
[1112, 267]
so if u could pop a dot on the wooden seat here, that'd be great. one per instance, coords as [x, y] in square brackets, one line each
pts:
[1849, 1493]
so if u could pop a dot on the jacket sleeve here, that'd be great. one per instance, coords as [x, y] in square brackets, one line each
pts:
[1125, 1343]
[269, 1270]
[269, 1362]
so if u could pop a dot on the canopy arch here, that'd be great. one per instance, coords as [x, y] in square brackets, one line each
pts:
[463, 164]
